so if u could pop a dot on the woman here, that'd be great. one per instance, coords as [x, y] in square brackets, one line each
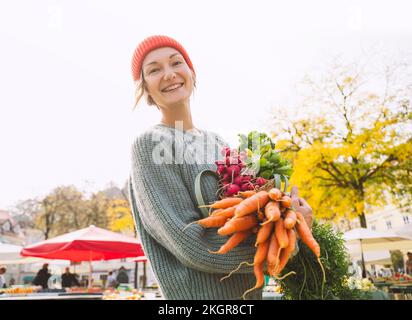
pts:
[165, 162]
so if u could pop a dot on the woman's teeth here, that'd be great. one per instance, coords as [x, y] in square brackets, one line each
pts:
[171, 88]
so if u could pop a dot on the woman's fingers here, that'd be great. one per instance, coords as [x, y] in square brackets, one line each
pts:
[295, 197]
[294, 192]
[303, 203]
[306, 210]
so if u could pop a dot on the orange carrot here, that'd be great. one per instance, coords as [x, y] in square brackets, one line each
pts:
[252, 204]
[290, 219]
[261, 252]
[272, 257]
[281, 236]
[224, 203]
[286, 201]
[281, 233]
[260, 278]
[228, 212]
[238, 224]
[215, 212]
[246, 194]
[275, 194]
[306, 235]
[308, 239]
[233, 241]
[286, 253]
[210, 222]
[272, 212]
[264, 233]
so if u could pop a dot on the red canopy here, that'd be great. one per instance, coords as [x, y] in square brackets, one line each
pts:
[140, 259]
[87, 244]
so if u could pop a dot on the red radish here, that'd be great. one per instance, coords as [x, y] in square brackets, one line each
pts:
[232, 189]
[238, 180]
[246, 186]
[261, 181]
[226, 177]
[247, 178]
[233, 170]
[220, 169]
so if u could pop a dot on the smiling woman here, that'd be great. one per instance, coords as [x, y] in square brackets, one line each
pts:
[145, 72]
[162, 194]
[168, 79]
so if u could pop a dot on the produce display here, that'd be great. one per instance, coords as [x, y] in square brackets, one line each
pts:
[396, 278]
[122, 295]
[20, 290]
[271, 216]
[251, 202]
[84, 290]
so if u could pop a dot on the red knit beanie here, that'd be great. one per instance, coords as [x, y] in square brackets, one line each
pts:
[151, 43]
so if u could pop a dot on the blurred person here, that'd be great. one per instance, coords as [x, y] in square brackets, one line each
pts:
[122, 276]
[69, 280]
[42, 277]
[2, 278]
[111, 280]
[409, 263]
[12, 282]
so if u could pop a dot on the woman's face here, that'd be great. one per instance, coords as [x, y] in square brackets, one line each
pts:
[169, 80]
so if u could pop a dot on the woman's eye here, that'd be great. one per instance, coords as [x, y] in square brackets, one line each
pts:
[176, 63]
[153, 70]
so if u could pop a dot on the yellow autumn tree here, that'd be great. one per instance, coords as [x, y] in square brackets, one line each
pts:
[351, 148]
[120, 217]
[66, 209]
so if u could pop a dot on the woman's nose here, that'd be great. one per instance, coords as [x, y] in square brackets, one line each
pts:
[169, 74]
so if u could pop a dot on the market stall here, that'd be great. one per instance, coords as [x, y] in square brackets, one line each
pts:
[88, 244]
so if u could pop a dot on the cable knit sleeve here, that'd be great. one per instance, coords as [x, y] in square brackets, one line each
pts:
[165, 208]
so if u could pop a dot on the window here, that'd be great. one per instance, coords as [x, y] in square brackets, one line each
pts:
[406, 219]
[389, 224]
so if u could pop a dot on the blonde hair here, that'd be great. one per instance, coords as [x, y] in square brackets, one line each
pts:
[141, 91]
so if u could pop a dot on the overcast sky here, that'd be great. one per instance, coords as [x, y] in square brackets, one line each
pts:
[66, 92]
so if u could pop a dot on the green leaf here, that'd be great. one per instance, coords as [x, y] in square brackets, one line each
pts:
[263, 162]
[267, 174]
[274, 157]
[308, 285]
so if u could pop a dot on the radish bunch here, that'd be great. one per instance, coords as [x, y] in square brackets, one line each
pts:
[234, 174]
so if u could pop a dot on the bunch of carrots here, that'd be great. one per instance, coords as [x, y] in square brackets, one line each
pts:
[268, 214]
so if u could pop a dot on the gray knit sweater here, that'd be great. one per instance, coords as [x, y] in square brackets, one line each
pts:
[163, 201]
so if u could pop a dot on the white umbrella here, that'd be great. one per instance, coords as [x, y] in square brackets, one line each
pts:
[371, 240]
[371, 257]
[9, 252]
[405, 231]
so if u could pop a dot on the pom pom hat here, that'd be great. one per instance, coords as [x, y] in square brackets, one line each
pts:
[152, 43]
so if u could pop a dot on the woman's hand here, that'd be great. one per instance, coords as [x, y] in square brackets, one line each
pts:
[299, 204]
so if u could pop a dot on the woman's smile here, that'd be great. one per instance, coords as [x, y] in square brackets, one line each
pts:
[173, 87]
